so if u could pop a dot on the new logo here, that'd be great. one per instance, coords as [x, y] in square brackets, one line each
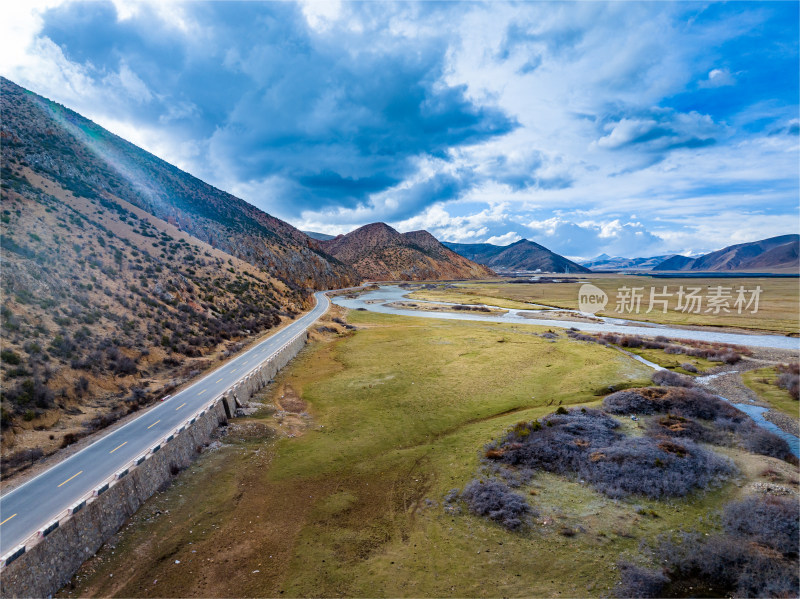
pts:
[591, 299]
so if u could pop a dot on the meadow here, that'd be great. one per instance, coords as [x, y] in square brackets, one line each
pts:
[352, 503]
[763, 381]
[777, 303]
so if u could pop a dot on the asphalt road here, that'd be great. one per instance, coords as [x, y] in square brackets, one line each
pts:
[35, 504]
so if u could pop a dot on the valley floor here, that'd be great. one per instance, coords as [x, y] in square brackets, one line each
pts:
[776, 312]
[334, 484]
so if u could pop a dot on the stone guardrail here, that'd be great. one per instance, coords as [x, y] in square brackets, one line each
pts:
[49, 558]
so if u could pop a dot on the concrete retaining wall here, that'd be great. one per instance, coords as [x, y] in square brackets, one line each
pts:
[49, 564]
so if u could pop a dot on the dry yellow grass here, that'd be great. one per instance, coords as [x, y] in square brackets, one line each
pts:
[778, 309]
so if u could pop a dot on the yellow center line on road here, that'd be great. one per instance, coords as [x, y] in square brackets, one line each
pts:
[234, 370]
[180, 406]
[152, 425]
[116, 448]
[218, 380]
[203, 391]
[7, 519]
[70, 478]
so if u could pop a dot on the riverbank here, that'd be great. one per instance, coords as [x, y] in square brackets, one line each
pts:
[379, 300]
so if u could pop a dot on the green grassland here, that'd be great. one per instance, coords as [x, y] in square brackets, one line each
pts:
[353, 507]
[469, 293]
[762, 382]
[673, 361]
[778, 310]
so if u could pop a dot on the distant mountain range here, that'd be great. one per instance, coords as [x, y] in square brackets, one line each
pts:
[524, 255]
[319, 236]
[604, 262]
[379, 253]
[775, 253]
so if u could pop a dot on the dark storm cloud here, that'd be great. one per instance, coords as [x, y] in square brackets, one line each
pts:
[330, 119]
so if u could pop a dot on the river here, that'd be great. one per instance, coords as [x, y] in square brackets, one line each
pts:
[377, 300]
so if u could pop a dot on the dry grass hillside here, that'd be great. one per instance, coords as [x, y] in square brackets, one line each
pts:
[106, 308]
[81, 156]
[379, 253]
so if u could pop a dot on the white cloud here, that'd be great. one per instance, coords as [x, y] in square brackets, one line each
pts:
[586, 82]
[718, 78]
[505, 239]
[321, 14]
[20, 23]
[129, 82]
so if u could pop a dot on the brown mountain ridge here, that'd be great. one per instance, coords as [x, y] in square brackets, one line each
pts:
[380, 253]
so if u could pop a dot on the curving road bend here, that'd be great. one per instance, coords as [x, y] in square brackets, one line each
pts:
[34, 504]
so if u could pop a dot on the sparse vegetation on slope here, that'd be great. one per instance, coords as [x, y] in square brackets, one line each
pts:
[93, 163]
[105, 308]
[379, 253]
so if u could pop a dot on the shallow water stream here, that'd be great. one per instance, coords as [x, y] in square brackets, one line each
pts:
[375, 301]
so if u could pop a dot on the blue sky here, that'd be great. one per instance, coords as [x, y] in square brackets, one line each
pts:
[625, 128]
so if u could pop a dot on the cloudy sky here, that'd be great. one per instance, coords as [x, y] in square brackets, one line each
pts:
[624, 128]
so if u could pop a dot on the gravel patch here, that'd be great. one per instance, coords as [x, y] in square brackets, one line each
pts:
[784, 422]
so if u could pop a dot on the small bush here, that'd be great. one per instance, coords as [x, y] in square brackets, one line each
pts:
[124, 366]
[10, 357]
[689, 367]
[690, 403]
[69, 439]
[656, 468]
[22, 457]
[636, 581]
[667, 378]
[755, 556]
[81, 386]
[769, 520]
[496, 501]
[727, 565]
[682, 404]
[789, 379]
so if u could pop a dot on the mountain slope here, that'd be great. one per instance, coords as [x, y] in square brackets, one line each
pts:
[118, 279]
[775, 253]
[92, 162]
[380, 253]
[522, 255]
[676, 262]
[105, 308]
